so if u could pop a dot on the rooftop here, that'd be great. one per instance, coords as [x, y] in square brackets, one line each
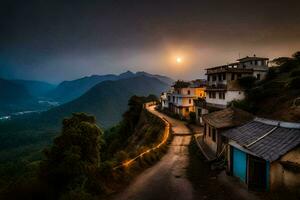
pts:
[227, 118]
[247, 58]
[265, 138]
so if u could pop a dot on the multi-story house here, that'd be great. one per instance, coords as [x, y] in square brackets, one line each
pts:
[180, 99]
[222, 81]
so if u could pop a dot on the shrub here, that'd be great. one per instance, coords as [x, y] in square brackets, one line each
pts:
[295, 73]
[288, 66]
[247, 82]
[295, 83]
[242, 104]
[272, 73]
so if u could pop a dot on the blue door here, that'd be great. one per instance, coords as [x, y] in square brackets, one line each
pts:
[239, 164]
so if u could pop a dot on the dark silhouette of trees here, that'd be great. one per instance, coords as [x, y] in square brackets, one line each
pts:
[74, 157]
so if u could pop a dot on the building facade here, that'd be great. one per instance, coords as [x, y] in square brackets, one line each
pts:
[222, 81]
[180, 98]
[265, 154]
[216, 123]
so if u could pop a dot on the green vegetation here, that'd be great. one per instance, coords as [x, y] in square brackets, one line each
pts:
[79, 164]
[274, 96]
[181, 84]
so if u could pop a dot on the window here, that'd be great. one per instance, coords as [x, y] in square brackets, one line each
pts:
[208, 77]
[213, 95]
[232, 76]
[220, 77]
[224, 76]
[190, 101]
[214, 134]
[189, 92]
[221, 95]
[214, 78]
[255, 62]
[258, 76]
[173, 99]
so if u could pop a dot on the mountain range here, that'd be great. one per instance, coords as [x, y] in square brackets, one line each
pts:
[70, 90]
[108, 100]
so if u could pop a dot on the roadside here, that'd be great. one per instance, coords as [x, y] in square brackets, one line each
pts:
[167, 178]
[213, 184]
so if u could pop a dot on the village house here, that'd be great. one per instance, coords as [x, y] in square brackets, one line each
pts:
[212, 142]
[265, 154]
[222, 81]
[179, 99]
[199, 105]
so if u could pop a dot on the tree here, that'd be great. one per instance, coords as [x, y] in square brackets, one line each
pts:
[247, 82]
[74, 155]
[181, 84]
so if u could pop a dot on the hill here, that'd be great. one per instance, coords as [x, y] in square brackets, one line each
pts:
[36, 88]
[70, 90]
[108, 100]
[13, 97]
[277, 97]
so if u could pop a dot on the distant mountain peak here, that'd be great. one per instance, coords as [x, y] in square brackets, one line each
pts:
[127, 74]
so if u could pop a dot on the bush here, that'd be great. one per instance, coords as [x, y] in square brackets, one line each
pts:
[289, 66]
[243, 104]
[247, 82]
[272, 73]
[295, 73]
[295, 83]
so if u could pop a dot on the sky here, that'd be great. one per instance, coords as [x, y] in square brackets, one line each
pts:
[64, 40]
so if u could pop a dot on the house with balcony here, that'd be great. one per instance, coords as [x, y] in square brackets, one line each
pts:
[180, 98]
[222, 81]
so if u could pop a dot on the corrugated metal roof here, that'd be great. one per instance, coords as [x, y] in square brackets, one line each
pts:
[229, 117]
[265, 138]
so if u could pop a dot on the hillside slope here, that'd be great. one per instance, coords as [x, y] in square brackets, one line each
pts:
[108, 100]
[276, 97]
[13, 97]
[35, 88]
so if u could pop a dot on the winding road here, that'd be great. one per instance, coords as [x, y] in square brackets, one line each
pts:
[167, 178]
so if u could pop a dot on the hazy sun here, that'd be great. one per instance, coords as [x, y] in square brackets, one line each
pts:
[178, 59]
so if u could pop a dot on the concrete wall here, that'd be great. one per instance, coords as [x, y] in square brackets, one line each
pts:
[208, 139]
[281, 176]
[199, 115]
[229, 96]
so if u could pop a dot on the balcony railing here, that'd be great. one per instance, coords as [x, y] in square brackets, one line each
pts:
[216, 87]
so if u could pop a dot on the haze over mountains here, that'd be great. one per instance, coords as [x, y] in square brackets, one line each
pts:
[23, 95]
[108, 100]
[69, 90]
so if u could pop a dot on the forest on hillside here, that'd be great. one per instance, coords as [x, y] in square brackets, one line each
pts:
[79, 163]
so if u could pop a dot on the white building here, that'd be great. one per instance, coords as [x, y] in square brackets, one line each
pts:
[222, 81]
[180, 99]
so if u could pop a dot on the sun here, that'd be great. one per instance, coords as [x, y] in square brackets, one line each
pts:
[179, 60]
